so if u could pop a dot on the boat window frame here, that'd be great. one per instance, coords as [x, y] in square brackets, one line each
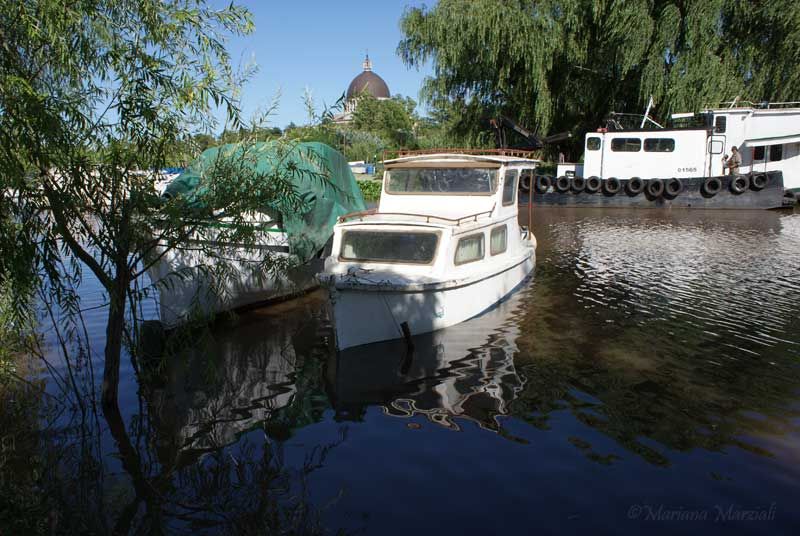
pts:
[658, 145]
[625, 142]
[772, 149]
[763, 150]
[590, 139]
[504, 228]
[479, 165]
[342, 257]
[464, 238]
[517, 173]
[720, 124]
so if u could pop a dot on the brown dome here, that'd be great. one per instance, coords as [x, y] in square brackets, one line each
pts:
[368, 82]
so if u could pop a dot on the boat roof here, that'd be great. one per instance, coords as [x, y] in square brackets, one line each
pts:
[456, 158]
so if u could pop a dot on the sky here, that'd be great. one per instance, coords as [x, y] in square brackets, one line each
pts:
[320, 45]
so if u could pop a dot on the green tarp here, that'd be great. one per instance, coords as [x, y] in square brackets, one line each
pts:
[319, 174]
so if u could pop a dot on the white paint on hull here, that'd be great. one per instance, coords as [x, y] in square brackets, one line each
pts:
[367, 315]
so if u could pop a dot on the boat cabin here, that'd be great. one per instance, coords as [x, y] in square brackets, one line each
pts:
[767, 137]
[439, 216]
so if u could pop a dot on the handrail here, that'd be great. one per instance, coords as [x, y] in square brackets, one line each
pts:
[399, 153]
[371, 212]
[758, 105]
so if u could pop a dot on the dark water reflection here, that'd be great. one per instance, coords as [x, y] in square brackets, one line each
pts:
[650, 368]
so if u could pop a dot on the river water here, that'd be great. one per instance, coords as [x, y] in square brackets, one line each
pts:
[647, 378]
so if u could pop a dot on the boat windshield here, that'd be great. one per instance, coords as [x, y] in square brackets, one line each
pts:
[454, 181]
[389, 246]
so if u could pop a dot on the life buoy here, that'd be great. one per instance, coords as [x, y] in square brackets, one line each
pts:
[758, 181]
[672, 187]
[611, 186]
[655, 188]
[543, 183]
[525, 183]
[578, 184]
[635, 186]
[739, 184]
[562, 184]
[593, 185]
[711, 186]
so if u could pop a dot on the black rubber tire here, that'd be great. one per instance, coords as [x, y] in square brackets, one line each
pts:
[655, 188]
[525, 183]
[543, 183]
[562, 184]
[635, 186]
[759, 181]
[578, 184]
[612, 186]
[593, 185]
[672, 188]
[711, 186]
[739, 184]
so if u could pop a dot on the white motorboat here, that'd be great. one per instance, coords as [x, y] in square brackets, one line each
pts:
[443, 246]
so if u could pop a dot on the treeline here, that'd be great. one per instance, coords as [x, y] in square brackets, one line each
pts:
[376, 126]
[560, 65]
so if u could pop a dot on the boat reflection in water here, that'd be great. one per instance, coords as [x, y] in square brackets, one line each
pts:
[235, 380]
[461, 373]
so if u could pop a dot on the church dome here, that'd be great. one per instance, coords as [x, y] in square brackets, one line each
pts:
[368, 82]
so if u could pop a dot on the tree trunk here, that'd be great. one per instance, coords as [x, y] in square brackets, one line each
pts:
[113, 350]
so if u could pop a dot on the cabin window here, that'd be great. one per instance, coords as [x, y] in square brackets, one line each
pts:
[389, 246]
[593, 143]
[470, 249]
[498, 242]
[509, 187]
[461, 180]
[659, 145]
[775, 153]
[759, 152]
[720, 124]
[626, 145]
[715, 146]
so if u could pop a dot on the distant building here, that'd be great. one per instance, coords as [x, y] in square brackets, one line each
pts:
[365, 83]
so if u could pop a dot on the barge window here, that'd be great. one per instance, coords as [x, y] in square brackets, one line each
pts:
[389, 246]
[626, 145]
[498, 241]
[759, 152]
[470, 249]
[775, 153]
[510, 186]
[593, 143]
[659, 145]
[481, 181]
[720, 124]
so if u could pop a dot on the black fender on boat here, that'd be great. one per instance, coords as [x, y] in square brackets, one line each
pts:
[562, 184]
[635, 186]
[739, 184]
[711, 187]
[578, 184]
[612, 186]
[543, 183]
[655, 188]
[759, 181]
[593, 185]
[672, 187]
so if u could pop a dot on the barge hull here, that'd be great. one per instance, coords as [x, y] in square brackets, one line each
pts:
[691, 196]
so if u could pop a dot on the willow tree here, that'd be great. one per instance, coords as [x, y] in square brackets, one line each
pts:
[94, 96]
[565, 64]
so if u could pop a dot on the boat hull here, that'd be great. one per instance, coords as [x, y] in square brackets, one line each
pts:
[362, 316]
[691, 196]
[187, 292]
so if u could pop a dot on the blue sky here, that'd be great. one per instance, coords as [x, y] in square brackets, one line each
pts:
[320, 45]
